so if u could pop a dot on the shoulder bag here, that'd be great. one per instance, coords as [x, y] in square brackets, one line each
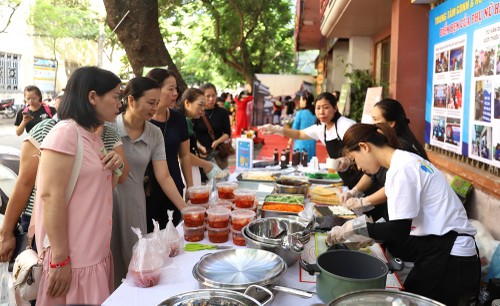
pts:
[28, 266]
[225, 149]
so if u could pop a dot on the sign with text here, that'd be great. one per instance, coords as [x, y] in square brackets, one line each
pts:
[463, 79]
[244, 153]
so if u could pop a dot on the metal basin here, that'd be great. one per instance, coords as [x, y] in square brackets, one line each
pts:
[270, 230]
[289, 256]
[291, 185]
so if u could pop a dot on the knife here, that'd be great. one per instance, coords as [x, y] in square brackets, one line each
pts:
[193, 247]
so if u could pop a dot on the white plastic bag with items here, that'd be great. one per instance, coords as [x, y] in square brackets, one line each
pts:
[171, 235]
[147, 261]
[163, 246]
[7, 294]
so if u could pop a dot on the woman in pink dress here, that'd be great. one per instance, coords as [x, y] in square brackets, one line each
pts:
[75, 236]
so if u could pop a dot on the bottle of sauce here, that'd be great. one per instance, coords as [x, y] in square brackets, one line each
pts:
[287, 155]
[276, 156]
[295, 158]
[284, 163]
[304, 158]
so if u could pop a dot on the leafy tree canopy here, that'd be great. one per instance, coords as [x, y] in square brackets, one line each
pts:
[64, 18]
[228, 41]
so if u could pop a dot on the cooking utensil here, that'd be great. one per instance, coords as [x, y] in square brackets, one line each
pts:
[193, 247]
[288, 254]
[383, 298]
[298, 292]
[291, 185]
[264, 229]
[219, 297]
[237, 269]
[344, 271]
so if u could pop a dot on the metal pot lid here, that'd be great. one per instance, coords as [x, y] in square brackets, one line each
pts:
[214, 297]
[237, 269]
[383, 297]
[265, 229]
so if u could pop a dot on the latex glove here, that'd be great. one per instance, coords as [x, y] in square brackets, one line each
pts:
[271, 129]
[353, 193]
[343, 163]
[353, 230]
[214, 172]
[336, 235]
[357, 203]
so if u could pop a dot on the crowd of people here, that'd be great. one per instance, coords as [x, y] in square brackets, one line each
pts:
[127, 150]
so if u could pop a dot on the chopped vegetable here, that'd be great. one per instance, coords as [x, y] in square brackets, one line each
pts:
[289, 199]
[283, 207]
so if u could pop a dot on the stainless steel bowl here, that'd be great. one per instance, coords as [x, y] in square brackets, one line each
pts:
[292, 185]
[270, 230]
[236, 269]
[289, 256]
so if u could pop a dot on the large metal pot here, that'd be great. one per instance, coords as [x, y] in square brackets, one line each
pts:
[383, 298]
[270, 230]
[289, 255]
[344, 271]
[219, 297]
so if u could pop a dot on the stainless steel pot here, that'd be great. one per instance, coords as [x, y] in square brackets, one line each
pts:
[289, 255]
[383, 298]
[220, 297]
[270, 230]
[344, 271]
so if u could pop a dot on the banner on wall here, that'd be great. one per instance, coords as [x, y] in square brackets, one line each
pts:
[463, 79]
[44, 74]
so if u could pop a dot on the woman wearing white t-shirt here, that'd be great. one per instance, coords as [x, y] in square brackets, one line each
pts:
[420, 203]
[330, 128]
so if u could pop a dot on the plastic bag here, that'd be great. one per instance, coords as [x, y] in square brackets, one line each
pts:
[171, 236]
[147, 261]
[163, 246]
[7, 294]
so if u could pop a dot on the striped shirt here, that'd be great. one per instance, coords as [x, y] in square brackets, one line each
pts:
[110, 138]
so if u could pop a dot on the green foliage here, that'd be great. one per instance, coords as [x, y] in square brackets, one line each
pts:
[64, 18]
[227, 41]
[361, 80]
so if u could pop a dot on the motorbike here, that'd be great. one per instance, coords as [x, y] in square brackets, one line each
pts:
[7, 108]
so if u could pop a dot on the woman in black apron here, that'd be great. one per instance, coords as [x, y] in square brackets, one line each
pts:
[420, 204]
[328, 118]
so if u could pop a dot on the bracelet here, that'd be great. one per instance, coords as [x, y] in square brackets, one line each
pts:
[61, 264]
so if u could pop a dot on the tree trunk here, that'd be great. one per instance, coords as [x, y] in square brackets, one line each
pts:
[140, 35]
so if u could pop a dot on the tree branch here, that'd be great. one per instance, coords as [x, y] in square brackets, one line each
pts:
[9, 20]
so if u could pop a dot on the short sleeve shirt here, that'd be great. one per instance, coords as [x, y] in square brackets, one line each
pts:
[36, 136]
[38, 116]
[317, 131]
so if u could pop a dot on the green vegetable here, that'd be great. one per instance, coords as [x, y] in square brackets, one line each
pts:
[289, 199]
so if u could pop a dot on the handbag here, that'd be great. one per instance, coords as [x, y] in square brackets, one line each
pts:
[28, 266]
[224, 149]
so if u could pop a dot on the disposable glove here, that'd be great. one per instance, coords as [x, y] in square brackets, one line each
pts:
[353, 230]
[214, 172]
[353, 193]
[357, 203]
[271, 129]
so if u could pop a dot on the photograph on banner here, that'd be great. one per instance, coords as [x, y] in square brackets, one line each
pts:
[482, 141]
[447, 111]
[485, 115]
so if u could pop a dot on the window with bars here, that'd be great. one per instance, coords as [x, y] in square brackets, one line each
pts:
[9, 71]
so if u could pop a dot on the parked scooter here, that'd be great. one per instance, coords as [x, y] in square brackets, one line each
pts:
[7, 108]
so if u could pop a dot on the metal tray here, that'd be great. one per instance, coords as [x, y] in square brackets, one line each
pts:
[237, 269]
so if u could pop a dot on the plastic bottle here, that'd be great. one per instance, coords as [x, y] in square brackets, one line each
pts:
[287, 155]
[305, 157]
[276, 156]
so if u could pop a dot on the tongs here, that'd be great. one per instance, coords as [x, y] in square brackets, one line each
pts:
[193, 247]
